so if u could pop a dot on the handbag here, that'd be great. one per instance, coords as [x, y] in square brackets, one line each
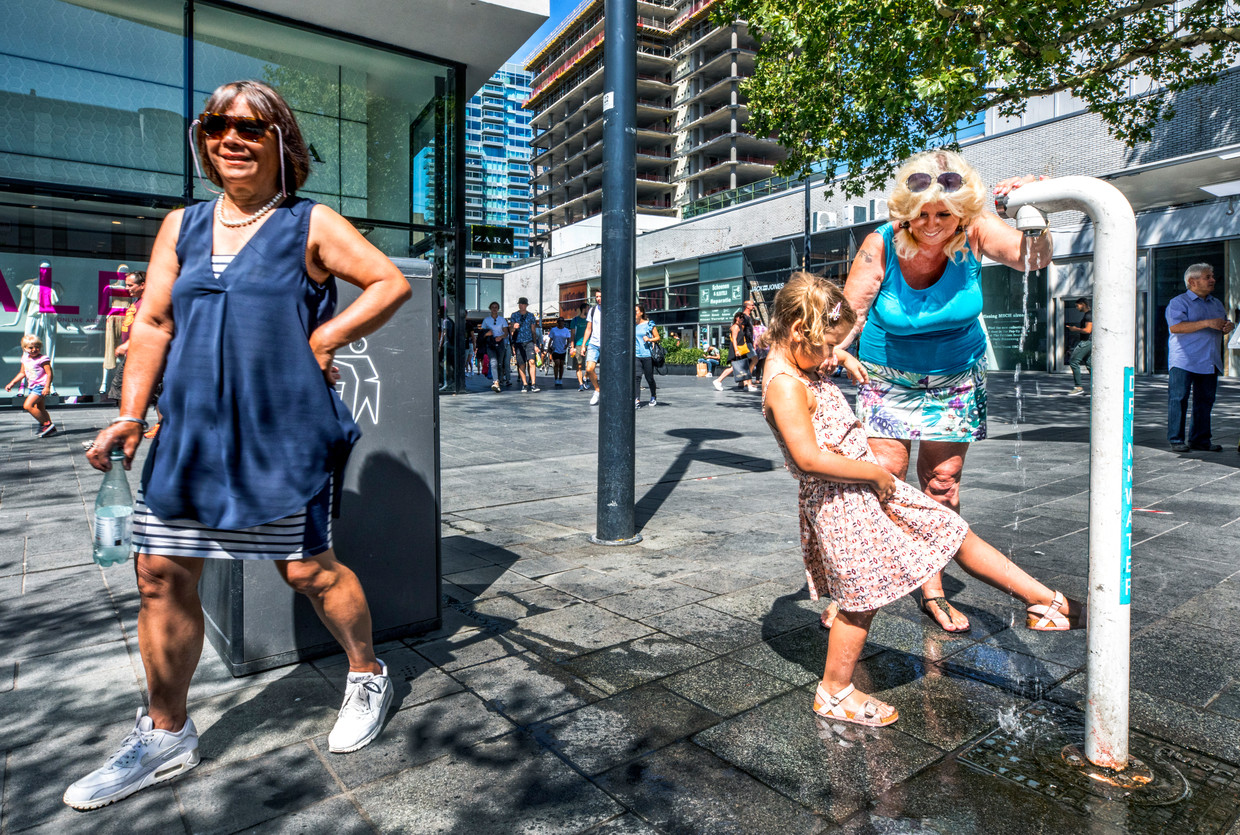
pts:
[658, 357]
[742, 350]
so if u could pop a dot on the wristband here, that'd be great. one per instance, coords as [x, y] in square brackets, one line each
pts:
[122, 419]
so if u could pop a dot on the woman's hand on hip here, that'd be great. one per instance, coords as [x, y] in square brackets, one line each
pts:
[324, 356]
[125, 435]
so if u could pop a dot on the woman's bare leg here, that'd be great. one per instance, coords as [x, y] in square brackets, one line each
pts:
[170, 632]
[337, 597]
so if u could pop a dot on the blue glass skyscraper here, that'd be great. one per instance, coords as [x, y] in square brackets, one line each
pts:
[497, 161]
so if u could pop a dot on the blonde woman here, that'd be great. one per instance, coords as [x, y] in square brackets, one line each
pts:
[915, 287]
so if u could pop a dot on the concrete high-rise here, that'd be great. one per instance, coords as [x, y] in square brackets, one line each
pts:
[691, 140]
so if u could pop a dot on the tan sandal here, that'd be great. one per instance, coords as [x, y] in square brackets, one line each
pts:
[868, 716]
[1052, 618]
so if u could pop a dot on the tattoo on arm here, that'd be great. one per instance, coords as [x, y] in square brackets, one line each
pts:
[867, 255]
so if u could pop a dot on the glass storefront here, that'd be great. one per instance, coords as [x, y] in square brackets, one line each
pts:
[1014, 314]
[95, 152]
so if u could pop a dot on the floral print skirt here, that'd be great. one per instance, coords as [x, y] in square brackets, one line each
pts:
[910, 406]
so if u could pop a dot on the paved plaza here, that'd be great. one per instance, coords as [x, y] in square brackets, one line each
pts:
[658, 688]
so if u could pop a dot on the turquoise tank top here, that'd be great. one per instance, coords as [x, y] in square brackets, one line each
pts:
[931, 331]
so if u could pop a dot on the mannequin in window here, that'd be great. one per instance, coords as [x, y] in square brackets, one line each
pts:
[39, 324]
[113, 316]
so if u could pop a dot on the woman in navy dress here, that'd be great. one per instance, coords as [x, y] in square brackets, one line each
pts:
[238, 320]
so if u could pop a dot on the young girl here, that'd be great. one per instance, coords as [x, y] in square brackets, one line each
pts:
[866, 537]
[37, 369]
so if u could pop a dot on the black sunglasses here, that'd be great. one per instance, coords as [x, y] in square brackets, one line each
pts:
[247, 127]
[949, 180]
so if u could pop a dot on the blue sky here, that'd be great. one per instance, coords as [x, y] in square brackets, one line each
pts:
[560, 9]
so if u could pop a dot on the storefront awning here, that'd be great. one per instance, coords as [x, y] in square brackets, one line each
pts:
[1181, 180]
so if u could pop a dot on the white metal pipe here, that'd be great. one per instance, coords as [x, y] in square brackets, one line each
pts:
[1110, 456]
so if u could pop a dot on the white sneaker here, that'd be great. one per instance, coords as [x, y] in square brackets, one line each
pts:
[366, 701]
[147, 756]
[594, 398]
[654, 402]
[718, 385]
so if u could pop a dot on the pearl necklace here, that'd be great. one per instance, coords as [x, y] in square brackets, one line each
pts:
[246, 221]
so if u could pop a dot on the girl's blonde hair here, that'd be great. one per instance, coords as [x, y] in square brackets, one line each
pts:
[29, 340]
[967, 203]
[816, 302]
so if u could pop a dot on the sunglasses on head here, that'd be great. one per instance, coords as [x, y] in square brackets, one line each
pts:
[247, 127]
[949, 180]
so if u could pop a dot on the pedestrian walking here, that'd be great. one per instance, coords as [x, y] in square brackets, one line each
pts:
[594, 343]
[578, 326]
[561, 340]
[239, 314]
[495, 335]
[740, 350]
[1084, 346]
[647, 335]
[36, 369]
[524, 338]
[867, 538]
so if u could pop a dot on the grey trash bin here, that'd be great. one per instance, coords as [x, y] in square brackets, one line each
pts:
[388, 530]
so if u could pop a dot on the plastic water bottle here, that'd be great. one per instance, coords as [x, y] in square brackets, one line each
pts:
[113, 515]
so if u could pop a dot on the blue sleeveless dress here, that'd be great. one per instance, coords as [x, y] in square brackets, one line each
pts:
[251, 431]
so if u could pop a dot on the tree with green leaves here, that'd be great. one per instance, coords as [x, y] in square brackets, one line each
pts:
[863, 84]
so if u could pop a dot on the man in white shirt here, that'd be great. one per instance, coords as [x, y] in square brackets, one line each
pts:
[592, 342]
[495, 331]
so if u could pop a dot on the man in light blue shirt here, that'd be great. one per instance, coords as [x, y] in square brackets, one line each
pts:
[1198, 322]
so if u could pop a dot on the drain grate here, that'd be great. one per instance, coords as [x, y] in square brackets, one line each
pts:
[1189, 792]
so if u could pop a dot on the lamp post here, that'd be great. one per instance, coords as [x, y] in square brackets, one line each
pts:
[615, 520]
[538, 250]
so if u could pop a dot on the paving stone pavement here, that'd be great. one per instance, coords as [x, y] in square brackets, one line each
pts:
[663, 687]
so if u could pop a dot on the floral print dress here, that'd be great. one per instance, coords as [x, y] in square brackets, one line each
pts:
[858, 551]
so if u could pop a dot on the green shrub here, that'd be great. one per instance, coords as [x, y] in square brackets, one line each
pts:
[678, 353]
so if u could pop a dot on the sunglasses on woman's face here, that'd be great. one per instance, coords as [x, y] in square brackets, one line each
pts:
[247, 127]
[949, 180]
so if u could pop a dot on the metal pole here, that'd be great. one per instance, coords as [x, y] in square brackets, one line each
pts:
[805, 243]
[1110, 452]
[616, 524]
[540, 286]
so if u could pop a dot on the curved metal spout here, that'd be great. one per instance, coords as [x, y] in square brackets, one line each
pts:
[1110, 457]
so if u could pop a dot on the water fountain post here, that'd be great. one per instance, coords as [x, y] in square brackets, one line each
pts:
[1110, 456]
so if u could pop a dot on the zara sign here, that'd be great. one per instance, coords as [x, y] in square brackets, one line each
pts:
[494, 240]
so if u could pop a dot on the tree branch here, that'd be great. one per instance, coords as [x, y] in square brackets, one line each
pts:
[1213, 34]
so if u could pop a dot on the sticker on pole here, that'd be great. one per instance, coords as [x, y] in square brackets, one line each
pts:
[1125, 508]
[609, 101]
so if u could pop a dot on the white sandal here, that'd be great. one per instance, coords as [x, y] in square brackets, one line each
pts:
[1052, 618]
[868, 716]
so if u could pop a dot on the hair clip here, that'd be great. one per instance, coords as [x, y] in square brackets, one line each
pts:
[834, 315]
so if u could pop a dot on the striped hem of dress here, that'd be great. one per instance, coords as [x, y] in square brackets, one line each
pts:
[306, 533]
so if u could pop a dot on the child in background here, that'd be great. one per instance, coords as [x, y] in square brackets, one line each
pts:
[561, 339]
[867, 538]
[37, 369]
